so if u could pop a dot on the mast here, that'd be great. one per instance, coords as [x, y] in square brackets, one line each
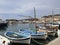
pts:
[45, 21]
[52, 18]
[35, 20]
[34, 13]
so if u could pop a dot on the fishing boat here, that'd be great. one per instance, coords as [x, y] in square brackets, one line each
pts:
[34, 35]
[59, 30]
[52, 27]
[3, 24]
[4, 41]
[18, 37]
[53, 30]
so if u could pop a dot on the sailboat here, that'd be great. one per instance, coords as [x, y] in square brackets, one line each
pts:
[35, 34]
[54, 28]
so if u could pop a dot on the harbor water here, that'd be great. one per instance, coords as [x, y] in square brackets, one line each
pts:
[17, 27]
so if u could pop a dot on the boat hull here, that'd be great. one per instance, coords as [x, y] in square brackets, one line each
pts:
[39, 36]
[22, 41]
[59, 33]
[4, 41]
[15, 37]
[3, 24]
[51, 33]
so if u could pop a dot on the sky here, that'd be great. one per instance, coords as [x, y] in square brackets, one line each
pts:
[12, 9]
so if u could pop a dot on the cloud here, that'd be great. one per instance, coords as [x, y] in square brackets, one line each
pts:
[25, 7]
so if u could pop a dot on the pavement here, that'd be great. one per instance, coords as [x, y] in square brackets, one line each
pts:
[55, 42]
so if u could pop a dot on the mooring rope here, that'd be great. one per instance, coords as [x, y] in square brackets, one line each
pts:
[37, 42]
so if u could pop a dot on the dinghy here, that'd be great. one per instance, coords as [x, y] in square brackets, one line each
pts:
[18, 37]
[4, 41]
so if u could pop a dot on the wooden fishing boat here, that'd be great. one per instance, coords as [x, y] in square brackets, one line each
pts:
[18, 37]
[34, 35]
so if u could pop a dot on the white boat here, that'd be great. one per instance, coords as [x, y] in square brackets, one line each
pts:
[53, 30]
[34, 35]
[58, 32]
[18, 37]
[4, 41]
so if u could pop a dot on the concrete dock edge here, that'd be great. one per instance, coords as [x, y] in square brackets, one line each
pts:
[55, 42]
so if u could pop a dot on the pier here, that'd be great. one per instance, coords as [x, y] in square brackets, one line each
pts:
[55, 42]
